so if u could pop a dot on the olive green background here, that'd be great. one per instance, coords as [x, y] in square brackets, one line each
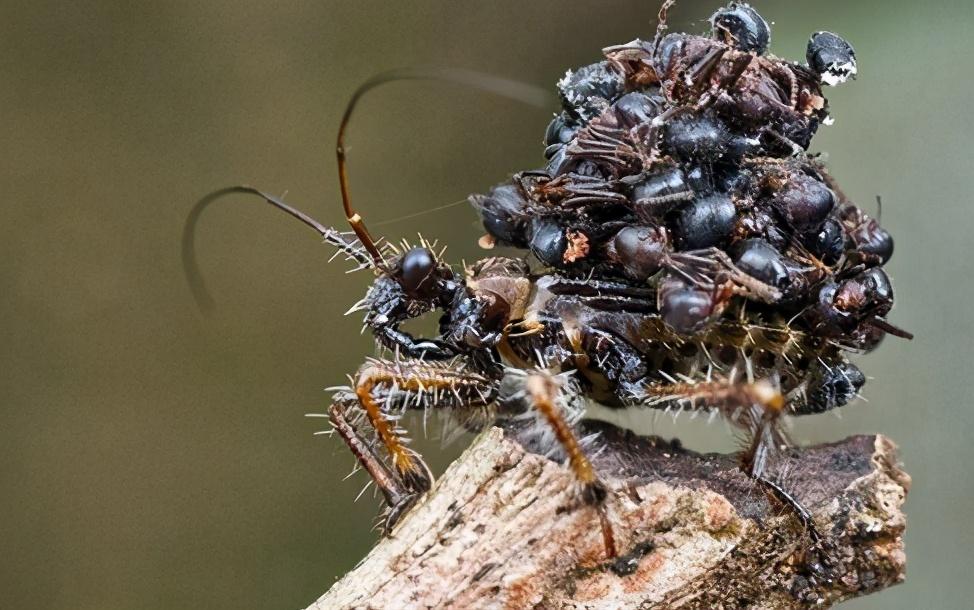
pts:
[151, 458]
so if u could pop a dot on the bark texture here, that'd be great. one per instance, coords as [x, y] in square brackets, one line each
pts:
[504, 528]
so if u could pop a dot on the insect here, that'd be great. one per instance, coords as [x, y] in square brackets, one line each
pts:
[687, 261]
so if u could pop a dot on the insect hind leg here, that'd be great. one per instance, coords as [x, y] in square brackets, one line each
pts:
[754, 407]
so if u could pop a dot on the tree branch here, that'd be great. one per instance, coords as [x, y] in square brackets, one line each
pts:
[503, 528]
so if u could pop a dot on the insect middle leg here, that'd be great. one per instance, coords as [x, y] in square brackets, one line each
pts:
[755, 407]
[542, 391]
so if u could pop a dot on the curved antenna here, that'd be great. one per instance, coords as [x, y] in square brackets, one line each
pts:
[197, 285]
[661, 21]
[523, 92]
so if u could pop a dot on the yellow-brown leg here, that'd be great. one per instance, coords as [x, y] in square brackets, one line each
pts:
[415, 384]
[755, 407]
[542, 392]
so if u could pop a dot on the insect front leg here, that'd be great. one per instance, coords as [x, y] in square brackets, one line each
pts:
[544, 393]
[383, 385]
[397, 497]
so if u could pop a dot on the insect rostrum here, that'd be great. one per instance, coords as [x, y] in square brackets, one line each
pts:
[682, 250]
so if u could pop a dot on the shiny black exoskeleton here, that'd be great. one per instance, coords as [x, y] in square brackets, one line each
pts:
[681, 163]
[740, 26]
[831, 57]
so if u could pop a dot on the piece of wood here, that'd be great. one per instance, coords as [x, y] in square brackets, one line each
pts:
[504, 528]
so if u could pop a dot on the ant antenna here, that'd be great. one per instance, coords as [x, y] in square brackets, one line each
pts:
[197, 286]
[661, 21]
[529, 94]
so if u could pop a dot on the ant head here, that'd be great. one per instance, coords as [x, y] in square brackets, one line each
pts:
[831, 57]
[740, 26]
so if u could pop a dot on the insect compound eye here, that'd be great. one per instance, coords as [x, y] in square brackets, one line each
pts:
[684, 308]
[805, 203]
[740, 26]
[639, 250]
[549, 242]
[416, 272]
[706, 222]
[831, 57]
[759, 259]
[588, 91]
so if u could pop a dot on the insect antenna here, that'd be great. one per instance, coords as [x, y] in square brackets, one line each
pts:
[661, 18]
[366, 251]
[191, 268]
[529, 94]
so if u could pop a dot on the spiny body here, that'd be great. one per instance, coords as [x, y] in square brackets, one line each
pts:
[642, 160]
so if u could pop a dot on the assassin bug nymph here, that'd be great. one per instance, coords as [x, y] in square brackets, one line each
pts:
[498, 315]
[513, 342]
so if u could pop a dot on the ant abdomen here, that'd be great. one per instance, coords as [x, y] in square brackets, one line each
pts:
[828, 243]
[640, 251]
[504, 211]
[762, 261]
[685, 308]
[706, 222]
[804, 202]
[589, 90]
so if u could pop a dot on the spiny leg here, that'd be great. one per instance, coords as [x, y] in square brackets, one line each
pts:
[381, 385]
[398, 498]
[542, 392]
[415, 384]
[757, 408]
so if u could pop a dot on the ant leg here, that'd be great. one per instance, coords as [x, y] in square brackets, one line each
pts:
[398, 498]
[542, 391]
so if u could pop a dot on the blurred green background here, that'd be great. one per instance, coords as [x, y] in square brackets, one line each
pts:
[151, 458]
